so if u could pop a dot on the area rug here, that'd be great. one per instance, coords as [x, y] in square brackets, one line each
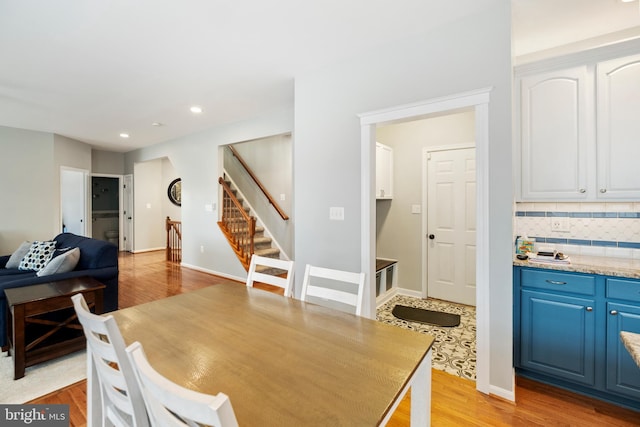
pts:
[454, 349]
[429, 317]
[40, 379]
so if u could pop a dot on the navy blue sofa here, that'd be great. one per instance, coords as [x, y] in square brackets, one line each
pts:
[98, 259]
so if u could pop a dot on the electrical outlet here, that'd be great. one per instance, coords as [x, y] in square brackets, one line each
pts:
[201, 249]
[560, 224]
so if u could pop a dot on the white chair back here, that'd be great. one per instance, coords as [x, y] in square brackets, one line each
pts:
[169, 404]
[333, 285]
[122, 403]
[271, 263]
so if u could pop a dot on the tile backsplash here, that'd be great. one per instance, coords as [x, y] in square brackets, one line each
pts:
[601, 229]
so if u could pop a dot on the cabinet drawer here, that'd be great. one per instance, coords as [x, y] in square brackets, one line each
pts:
[563, 282]
[623, 289]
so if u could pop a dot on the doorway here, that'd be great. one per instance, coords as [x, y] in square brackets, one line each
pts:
[105, 208]
[479, 102]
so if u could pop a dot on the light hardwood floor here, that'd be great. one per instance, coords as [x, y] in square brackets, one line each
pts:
[455, 402]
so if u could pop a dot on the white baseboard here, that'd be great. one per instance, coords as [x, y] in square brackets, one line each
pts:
[500, 392]
[381, 300]
[215, 273]
[139, 251]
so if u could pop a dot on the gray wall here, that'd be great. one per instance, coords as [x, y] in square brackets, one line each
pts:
[29, 194]
[107, 162]
[470, 54]
[30, 167]
[399, 232]
[270, 160]
[196, 160]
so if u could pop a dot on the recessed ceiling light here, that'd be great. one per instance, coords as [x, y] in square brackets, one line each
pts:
[124, 135]
[196, 109]
[156, 124]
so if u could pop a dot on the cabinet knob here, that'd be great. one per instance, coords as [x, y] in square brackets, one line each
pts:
[603, 190]
[613, 312]
[583, 190]
[589, 309]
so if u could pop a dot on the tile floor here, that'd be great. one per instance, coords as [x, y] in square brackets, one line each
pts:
[454, 350]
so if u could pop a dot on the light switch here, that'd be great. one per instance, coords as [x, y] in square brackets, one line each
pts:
[416, 209]
[283, 197]
[208, 207]
[336, 213]
[148, 205]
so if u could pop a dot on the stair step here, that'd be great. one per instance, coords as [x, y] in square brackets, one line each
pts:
[268, 252]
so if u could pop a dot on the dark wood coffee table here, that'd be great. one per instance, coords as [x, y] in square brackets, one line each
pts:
[42, 321]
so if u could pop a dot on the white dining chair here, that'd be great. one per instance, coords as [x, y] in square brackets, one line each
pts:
[325, 284]
[271, 263]
[170, 404]
[122, 403]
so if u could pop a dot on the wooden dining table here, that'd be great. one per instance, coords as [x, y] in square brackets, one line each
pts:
[281, 361]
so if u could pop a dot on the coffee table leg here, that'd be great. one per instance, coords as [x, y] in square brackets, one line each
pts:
[18, 325]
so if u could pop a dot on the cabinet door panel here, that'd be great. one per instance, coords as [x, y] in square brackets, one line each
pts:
[623, 375]
[618, 136]
[558, 336]
[555, 136]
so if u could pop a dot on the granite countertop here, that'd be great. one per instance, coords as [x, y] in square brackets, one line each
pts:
[607, 266]
[631, 342]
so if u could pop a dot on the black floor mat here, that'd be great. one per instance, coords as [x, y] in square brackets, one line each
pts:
[436, 318]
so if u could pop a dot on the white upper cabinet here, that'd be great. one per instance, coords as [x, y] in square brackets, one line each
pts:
[579, 131]
[384, 171]
[555, 135]
[618, 128]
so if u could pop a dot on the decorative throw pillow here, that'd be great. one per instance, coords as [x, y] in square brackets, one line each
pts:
[38, 256]
[16, 257]
[63, 261]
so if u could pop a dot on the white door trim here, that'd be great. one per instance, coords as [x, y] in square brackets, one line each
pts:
[479, 100]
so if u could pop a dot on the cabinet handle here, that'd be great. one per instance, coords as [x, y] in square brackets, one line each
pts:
[555, 282]
[613, 312]
[589, 309]
[603, 190]
[583, 190]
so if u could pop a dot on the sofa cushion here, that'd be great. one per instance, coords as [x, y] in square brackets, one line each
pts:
[63, 261]
[38, 256]
[16, 257]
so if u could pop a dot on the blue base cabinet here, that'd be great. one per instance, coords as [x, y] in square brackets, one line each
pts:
[558, 336]
[567, 332]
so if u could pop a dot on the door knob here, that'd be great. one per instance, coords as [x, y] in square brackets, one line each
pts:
[432, 236]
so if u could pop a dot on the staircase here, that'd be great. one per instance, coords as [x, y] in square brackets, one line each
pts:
[237, 231]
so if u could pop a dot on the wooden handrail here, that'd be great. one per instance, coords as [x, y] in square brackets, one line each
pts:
[174, 240]
[270, 198]
[238, 226]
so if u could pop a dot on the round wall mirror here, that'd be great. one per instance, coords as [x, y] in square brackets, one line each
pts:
[175, 192]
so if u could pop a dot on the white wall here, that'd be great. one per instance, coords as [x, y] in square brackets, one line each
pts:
[149, 225]
[399, 232]
[169, 173]
[470, 54]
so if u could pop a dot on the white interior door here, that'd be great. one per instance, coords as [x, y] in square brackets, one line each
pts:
[73, 200]
[127, 201]
[451, 224]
